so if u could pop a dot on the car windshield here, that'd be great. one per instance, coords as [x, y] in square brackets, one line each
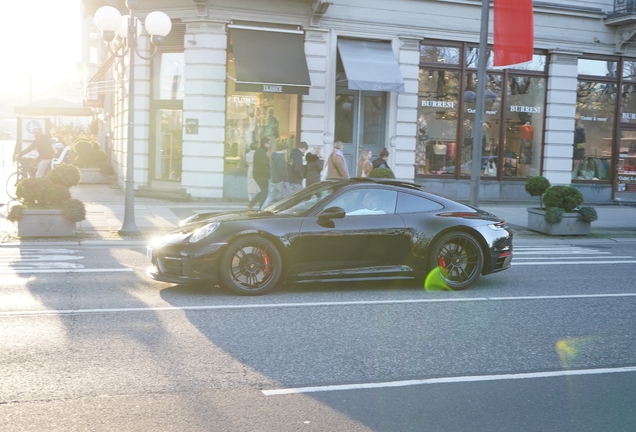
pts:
[298, 203]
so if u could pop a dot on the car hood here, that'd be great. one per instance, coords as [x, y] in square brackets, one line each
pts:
[202, 219]
[471, 214]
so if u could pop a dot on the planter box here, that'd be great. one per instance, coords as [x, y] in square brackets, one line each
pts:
[570, 225]
[45, 223]
[92, 175]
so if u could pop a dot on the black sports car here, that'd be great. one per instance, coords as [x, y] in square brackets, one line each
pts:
[337, 230]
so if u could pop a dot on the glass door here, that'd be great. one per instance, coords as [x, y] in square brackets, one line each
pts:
[360, 124]
[625, 184]
[168, 145]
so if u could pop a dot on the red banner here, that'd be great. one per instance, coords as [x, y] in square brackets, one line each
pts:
[513, 32]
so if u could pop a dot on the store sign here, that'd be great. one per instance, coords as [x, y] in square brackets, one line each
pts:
[525, 109]
[629, 116]
[438, 104]
[192, 126]
[593, 118]
[272, 89]
[473, 111]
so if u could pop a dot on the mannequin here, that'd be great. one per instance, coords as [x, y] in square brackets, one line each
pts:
[270, 127]
[525, 150]
[579, 143]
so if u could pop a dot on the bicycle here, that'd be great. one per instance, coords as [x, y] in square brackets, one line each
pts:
[23, 170]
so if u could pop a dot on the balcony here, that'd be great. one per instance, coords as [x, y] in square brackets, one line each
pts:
[624, 13]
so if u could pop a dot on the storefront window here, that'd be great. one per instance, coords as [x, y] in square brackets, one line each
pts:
[628, 104]
[490, 129]
[439, 54]
[437, 111]
[594, 130]
[525, 98]
[169, 83]
[600, 68]
[472, 57]
[629, 70]
[251, 117]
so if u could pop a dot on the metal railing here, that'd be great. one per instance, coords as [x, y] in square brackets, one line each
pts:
[624, 7]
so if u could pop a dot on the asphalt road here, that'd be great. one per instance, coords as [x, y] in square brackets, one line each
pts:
[87, 342]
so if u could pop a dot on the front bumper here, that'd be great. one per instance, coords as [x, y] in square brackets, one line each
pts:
[183, 263]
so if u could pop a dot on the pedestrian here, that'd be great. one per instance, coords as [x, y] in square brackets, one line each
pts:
[278, 170]
[315, 163]
[42, 145]
[296, 168]
[337, 164]
[382, 161]
[364, 164]
[261, 173]
[252, 187]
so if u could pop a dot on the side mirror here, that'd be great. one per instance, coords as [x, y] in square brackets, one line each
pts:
[332, 213]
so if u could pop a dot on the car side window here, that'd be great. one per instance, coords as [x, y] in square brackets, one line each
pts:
[367, 202]
[409, 203]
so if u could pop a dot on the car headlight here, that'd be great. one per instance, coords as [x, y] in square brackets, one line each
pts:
[203, 232]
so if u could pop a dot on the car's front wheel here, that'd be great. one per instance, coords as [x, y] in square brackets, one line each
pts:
[251, 265]
[458, 259]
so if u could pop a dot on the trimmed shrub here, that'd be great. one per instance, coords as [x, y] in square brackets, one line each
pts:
[74, 210]
[15, 214]
[32, 192]
[56, 195]
[537, 186]
[588, 214]
[65, 174]
[553, 215]
[566, 198]
[382, 173]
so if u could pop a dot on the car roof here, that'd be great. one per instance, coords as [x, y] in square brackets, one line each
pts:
[384, 181]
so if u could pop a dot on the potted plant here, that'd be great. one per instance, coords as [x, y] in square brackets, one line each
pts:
[92, 161]
[382, 173]
[46, 207]
[562, 213]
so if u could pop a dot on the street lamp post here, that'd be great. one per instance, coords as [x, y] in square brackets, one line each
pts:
[109, 20]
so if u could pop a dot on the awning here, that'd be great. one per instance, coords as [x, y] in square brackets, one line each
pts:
[53, 107]
[269, 61]
[370, 65]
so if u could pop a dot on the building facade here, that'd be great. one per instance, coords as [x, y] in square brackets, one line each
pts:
[374, 74]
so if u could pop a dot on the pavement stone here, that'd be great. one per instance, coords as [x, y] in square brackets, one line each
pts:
[153, 217]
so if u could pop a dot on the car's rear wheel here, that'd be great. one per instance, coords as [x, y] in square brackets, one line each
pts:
[251, 265]
[458, 259]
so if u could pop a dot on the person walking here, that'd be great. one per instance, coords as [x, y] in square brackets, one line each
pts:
[336, 164]
[261, 173]
[278, 170]
[252, 187]
[296, 168]
[41, 144]
[314, 167]
[382, 161]
[364, 164]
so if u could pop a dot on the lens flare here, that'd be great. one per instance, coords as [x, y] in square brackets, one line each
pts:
[435, 280]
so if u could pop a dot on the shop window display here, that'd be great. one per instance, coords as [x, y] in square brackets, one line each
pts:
[253, 116]
[439, 54]
[594, 130]
[490, 128]
[524, 117]
[438, 102]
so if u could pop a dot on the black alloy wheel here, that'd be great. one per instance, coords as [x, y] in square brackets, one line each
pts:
[458, 258]
[251, 265]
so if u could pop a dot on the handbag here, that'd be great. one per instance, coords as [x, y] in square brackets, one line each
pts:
[439, 148]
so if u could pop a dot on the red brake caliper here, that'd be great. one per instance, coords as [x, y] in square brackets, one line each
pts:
[266, 263]
[441, 262]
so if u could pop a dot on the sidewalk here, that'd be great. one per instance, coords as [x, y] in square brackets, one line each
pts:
[105, 214]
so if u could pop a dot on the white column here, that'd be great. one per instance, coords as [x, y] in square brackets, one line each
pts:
[560, 112]
[315, 106]
[403, 139]
[204, 100]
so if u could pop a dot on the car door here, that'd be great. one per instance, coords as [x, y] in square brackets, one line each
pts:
[360, 245]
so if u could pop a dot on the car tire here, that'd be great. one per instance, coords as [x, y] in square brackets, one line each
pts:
[458, 260]
[250, 265]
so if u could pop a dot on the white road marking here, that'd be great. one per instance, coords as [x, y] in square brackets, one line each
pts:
[303, 305]
[578, 257]
[69, 270]
[448, 380]
[31, 258]
[570, 263]
[553, 252]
